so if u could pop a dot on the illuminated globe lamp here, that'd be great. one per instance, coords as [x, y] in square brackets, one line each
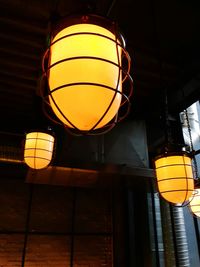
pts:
[194, 204]
[38, 150]
[85, 73]
[174, 175]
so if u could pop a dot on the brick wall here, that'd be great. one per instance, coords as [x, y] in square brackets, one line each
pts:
[59, 218]
[11, 250]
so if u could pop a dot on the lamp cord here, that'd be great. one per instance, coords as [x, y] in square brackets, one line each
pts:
[112, 4]
[168, 136]
[157, 43]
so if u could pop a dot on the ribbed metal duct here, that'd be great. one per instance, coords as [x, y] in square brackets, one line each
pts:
[168, 241]
[181, 238]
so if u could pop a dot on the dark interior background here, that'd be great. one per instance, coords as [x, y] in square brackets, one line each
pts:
[37, 221]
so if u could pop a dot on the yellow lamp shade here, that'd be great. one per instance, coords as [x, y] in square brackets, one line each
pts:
[38, 150]
[85, 76]
[194, 204]
[175, 177]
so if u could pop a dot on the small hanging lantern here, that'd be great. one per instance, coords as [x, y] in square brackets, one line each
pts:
[38, 149]
[194, 204]
[174, 176]
[85, 73]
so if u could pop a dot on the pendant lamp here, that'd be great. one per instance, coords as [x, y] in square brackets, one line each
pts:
[194, 201]
[173, 168]
[174, 175]
[38, 149]
[84, 67]
[194, 204]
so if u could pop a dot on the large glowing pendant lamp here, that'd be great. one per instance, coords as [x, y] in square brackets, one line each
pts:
[194, 204]
[38, 149]
[174, 176]
[85, 73]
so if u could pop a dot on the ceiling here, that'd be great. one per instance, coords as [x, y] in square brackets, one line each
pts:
[162, 39]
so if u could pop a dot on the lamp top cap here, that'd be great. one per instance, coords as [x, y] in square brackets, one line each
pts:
[173, 153]
[60, 23]
[47, 130]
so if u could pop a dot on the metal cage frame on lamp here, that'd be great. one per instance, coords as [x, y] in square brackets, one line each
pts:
[123, 75]
[175, 180]
[194, 203]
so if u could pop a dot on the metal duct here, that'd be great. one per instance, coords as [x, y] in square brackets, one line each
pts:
[180, 237]
[168, 242]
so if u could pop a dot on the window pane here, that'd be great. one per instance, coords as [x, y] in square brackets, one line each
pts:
[48, 251]
[51, 209]
[93, 211]
[97, 252]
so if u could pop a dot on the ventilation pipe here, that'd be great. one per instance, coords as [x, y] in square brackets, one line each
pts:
[168, 242]
[180, 237]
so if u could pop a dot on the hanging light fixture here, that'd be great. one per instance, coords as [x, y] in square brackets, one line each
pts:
[174, 176]
[173, 168]
[194, 204]
[194, 201]
[38, 149]
[84, 66]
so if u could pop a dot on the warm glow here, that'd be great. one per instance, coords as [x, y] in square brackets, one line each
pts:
[84, 105]
[38, 149]
[195, 202]
[175, 178]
